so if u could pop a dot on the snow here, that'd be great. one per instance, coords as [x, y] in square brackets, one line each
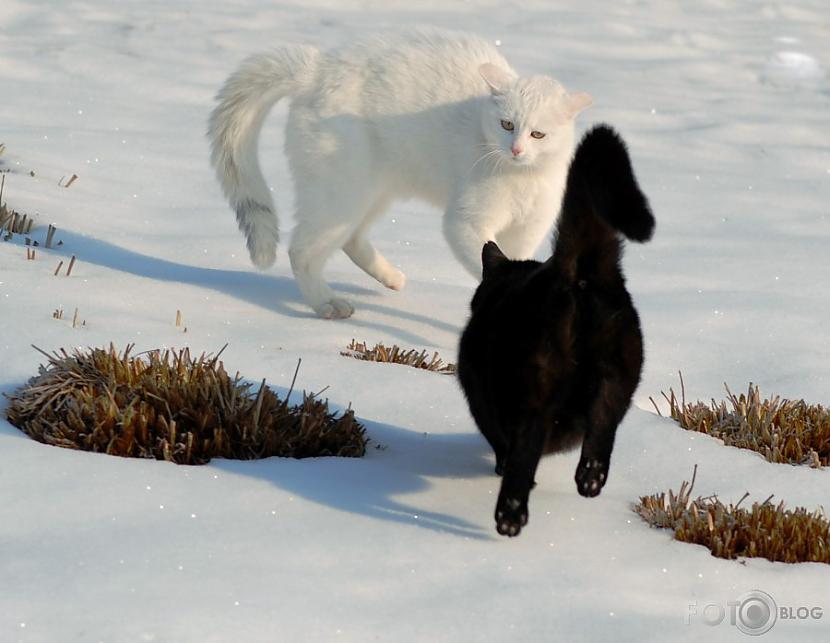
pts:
[724, 106]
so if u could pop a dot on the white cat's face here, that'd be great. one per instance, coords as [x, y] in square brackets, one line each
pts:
[529, 120]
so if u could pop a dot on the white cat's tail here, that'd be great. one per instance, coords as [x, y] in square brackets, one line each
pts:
[234, 127]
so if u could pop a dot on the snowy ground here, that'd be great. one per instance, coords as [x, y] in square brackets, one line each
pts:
[725, 107]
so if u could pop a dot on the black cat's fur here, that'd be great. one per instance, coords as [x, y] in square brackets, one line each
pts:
[553, 351]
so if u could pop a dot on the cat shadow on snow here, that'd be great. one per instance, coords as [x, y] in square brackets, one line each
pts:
[273, 292]
[398, 462]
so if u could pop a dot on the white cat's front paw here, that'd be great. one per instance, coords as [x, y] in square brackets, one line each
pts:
[335, 309]
[394, 279]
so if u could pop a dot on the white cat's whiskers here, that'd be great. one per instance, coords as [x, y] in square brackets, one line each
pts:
[498, 164]
[484, 156]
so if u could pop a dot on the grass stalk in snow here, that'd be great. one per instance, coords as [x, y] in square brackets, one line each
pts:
[765, 530]
[71, 180]
[12, 222]
[788, 431]
[50, 235]
[397, 355]
[170, 406]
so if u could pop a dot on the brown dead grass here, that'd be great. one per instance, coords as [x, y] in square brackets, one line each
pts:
[397, 355]
[169, 406]
[788, 431]
[765, 530]
[11, 221]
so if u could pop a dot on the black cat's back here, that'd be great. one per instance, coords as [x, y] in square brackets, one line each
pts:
[496, 355]
[553, 351]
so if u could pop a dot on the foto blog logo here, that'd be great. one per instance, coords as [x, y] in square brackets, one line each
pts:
[753, 613]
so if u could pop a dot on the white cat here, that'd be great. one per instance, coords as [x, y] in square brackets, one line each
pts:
[430, 114]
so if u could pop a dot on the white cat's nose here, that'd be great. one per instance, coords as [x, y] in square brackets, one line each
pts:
[516, 150]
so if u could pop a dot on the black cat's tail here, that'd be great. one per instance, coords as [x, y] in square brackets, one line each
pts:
[602, 201]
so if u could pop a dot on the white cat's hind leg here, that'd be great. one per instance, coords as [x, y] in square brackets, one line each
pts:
[310, 248]
[365, 255]
[361, 251]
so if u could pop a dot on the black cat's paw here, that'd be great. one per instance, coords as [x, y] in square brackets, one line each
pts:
[590, 477]
[511, 516]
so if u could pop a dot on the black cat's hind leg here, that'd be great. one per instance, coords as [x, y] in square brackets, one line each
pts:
[495, 436]
[500, 458]
[499, 444]
[523, 456]
[605, 414]
[500, 450]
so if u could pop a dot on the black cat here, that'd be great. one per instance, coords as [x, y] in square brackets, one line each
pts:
[553, 351]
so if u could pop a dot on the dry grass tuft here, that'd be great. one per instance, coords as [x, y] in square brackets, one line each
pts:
[788, 431]
[765, 530]
[397, 355]
[169, 406]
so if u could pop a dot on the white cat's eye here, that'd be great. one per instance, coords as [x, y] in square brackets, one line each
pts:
[536, 134]
[508, 125]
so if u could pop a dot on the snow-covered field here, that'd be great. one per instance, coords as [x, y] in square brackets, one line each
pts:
[726, 109]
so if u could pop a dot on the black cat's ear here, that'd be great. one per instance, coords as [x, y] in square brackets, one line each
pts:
[491, 257]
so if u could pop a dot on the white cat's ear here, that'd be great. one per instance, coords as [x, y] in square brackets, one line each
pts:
[577, 101]
[491, 257]
[498, 78]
